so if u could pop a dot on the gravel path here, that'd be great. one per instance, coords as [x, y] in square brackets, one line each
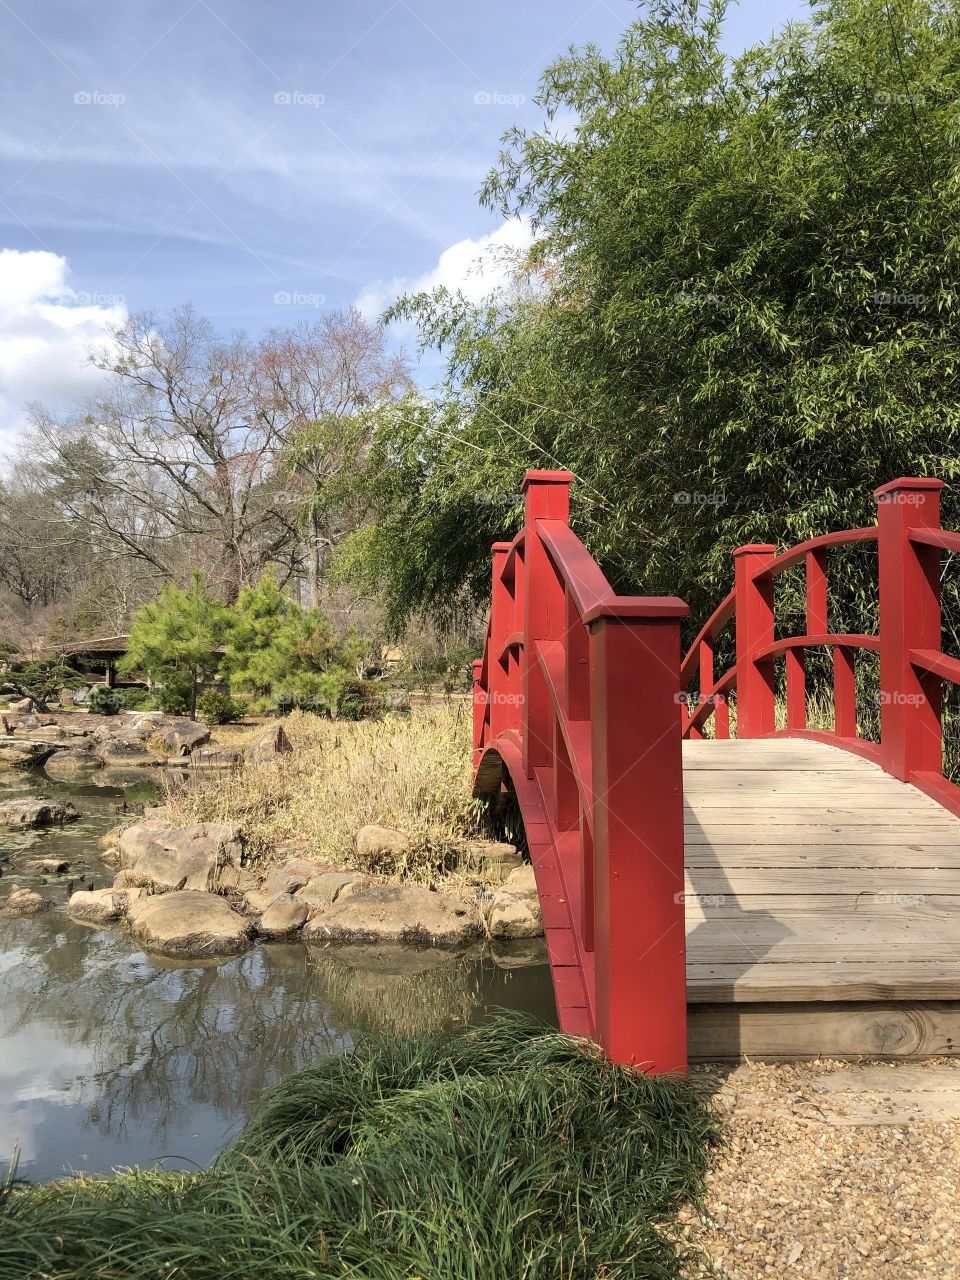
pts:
[830, 1170]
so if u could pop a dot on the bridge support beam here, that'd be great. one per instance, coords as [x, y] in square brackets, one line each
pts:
[756, 690]
[638, 861]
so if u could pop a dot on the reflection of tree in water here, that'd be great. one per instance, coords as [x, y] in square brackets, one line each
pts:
[395, 992]
[163, 1036]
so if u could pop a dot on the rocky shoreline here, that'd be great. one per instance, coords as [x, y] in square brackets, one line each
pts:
[191, 891]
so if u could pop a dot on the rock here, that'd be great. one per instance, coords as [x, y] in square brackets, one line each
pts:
[492, 859]
[66, 766]
[320, 891]
[127, 879]
[119, 752]
[100, 906]
[28, 722]
[189, 923]
[215, 758]
[396, 913]
[269, 744]
[21, 704]
[20, 815]
[373, 842]
[284, 916]
[48, 866]
[291, 876]
[514, 911]
[181, 857]
[24, 902]
[182, 736]
[65, 697]
[19, 754]
[521, 954]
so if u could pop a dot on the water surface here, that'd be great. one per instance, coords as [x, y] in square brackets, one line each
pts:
[112, 1057]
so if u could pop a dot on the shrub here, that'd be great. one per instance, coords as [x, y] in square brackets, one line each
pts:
[216, 707]
[134, 699]
[173, 696]
[104, 701]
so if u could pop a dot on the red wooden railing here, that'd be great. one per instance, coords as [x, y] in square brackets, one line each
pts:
[575, 711]
[576, 701]
[909, 541]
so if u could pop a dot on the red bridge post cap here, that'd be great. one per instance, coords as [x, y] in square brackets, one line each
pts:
[501, 547]
[755, 548]
[546, 477]
[908, 482]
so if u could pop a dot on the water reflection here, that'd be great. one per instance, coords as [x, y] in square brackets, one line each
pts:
[110, 1057]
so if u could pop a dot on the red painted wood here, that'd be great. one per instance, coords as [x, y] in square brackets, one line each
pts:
[844, 693]
[816, 562]
[909, 619]
[796, 555]
[945, 539]
[756, 700]
[796, 689]
[638, 842]
[577, 666]
[940, 663]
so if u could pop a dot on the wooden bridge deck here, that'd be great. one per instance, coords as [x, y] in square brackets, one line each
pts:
[823, 905]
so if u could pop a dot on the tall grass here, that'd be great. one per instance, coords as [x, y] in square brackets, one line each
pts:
[502, 1154]
[409, 772]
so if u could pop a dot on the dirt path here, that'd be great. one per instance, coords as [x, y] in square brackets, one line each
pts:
[832, 1170]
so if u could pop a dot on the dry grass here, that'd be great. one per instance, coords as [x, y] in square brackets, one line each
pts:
[408, 772]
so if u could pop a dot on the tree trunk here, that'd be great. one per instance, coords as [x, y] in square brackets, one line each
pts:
[193, 694]
[315, 561]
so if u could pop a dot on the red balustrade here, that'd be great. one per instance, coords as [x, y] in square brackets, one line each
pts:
[912, 665]
[575, 711]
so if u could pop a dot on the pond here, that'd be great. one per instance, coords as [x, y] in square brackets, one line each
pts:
[112, 1057]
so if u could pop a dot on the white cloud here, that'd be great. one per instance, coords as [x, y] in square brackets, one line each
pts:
[475, 268]
[46, 331]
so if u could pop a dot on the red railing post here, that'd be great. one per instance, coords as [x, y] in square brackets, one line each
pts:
[546, 497]
[479, 709]
[756, 694]
[501, 623]
[910, 737]
[639, 941]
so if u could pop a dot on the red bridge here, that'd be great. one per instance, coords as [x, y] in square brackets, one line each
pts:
[786, 892]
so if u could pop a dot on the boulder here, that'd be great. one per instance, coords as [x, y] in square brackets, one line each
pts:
[284, 916]
[181, 857]
[514, 910]
[396, 913]
[494, 860]
[20, 704]
[67, 766]
[289, 876]
[189, 923]
[215, 758]
[183, 735]
[16, 753]
[373, 843]
[24, 902]
[269, 744]
[320, 891]
[101, 906]
[28, 722]
[48, 866]
[20, 815]
[524, 953]
[115, 751]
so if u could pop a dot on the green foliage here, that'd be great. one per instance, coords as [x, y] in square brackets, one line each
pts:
[173, 693]
[104, 701]
[40, 679]
[216, 707]
[282, 655]
[739, 315]
[178, 635]
[134, 699]
[505, 1153]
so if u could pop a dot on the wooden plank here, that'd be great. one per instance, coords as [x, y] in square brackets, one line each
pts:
[748, 880]
[821, 982]
[704, 813]
[804, 905]
[812, 857]
[824, 836]
[791, 1032]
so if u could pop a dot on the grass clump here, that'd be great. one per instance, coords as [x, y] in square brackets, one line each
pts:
[502, 1154]
[408, 772]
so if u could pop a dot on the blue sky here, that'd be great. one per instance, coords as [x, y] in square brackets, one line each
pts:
[260, 160]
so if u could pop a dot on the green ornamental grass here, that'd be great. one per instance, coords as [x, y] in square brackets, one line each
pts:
[505, 1153]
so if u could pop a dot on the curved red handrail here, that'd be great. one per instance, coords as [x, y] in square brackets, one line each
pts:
[945, 539]
[709, 631]
[796, 555]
